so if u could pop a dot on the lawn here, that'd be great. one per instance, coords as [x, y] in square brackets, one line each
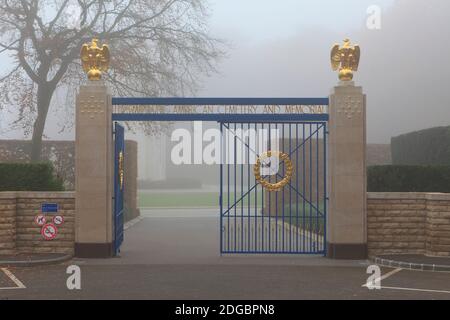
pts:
[179, 200]
[190, 199]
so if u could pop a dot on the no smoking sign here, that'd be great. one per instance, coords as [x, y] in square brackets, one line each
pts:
[49, 231]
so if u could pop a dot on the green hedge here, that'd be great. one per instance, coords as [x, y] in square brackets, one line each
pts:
[29, 177]
[426, 147]
[408, 179]
[308, 219]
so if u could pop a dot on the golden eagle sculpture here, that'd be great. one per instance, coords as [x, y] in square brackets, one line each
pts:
[346, 59]
[94, 59]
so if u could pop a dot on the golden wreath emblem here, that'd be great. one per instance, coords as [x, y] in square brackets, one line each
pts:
[289, 170]
[121, 169]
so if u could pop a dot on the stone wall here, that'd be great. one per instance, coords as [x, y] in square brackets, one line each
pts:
[7, 223]
[20, 234]
[438, 225]
[408, 223]
[397, 223]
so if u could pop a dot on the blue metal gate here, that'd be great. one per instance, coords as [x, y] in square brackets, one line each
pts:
[274, 213]
[118, 214]
[282, 212]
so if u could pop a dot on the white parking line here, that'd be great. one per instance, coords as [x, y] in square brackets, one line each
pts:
[387, 275]
[413, 289]
[14, 279]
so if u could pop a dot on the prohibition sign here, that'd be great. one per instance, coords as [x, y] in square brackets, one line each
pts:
[58, 220]
[40, 220]
[49, 231]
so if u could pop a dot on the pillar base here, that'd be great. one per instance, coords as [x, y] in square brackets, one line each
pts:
[94, 250]
[344, 251]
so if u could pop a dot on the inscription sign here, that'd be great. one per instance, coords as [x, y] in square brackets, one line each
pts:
[220, 109]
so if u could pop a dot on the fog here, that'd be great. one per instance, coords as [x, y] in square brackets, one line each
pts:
[284, 52]
[404, 69]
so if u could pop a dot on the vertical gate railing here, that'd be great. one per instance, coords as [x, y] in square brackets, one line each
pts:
[118, 212]
[252, 218]
[291, 220]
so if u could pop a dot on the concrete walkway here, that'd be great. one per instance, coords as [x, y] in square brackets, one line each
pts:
[191, 236]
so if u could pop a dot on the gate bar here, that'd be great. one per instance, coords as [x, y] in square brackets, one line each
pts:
[222, 117]
[127, 101]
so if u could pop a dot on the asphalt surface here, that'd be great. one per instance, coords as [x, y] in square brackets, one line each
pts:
[174, 255]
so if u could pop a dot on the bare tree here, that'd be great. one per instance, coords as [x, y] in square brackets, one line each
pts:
[159, 47]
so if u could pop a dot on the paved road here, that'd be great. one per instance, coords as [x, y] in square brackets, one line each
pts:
[174, 255]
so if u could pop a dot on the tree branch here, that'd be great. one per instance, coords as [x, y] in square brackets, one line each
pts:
[9, 47]
[24, 63]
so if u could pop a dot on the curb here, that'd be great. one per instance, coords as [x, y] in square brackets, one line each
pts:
[35, 262]
[411, 265]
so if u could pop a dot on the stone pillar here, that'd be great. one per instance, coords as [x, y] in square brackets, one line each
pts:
[346, 221]
[93, 172]
[130, 176]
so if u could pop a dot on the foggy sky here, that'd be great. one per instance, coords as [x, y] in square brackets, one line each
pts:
[404, 69]
[284, 52]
